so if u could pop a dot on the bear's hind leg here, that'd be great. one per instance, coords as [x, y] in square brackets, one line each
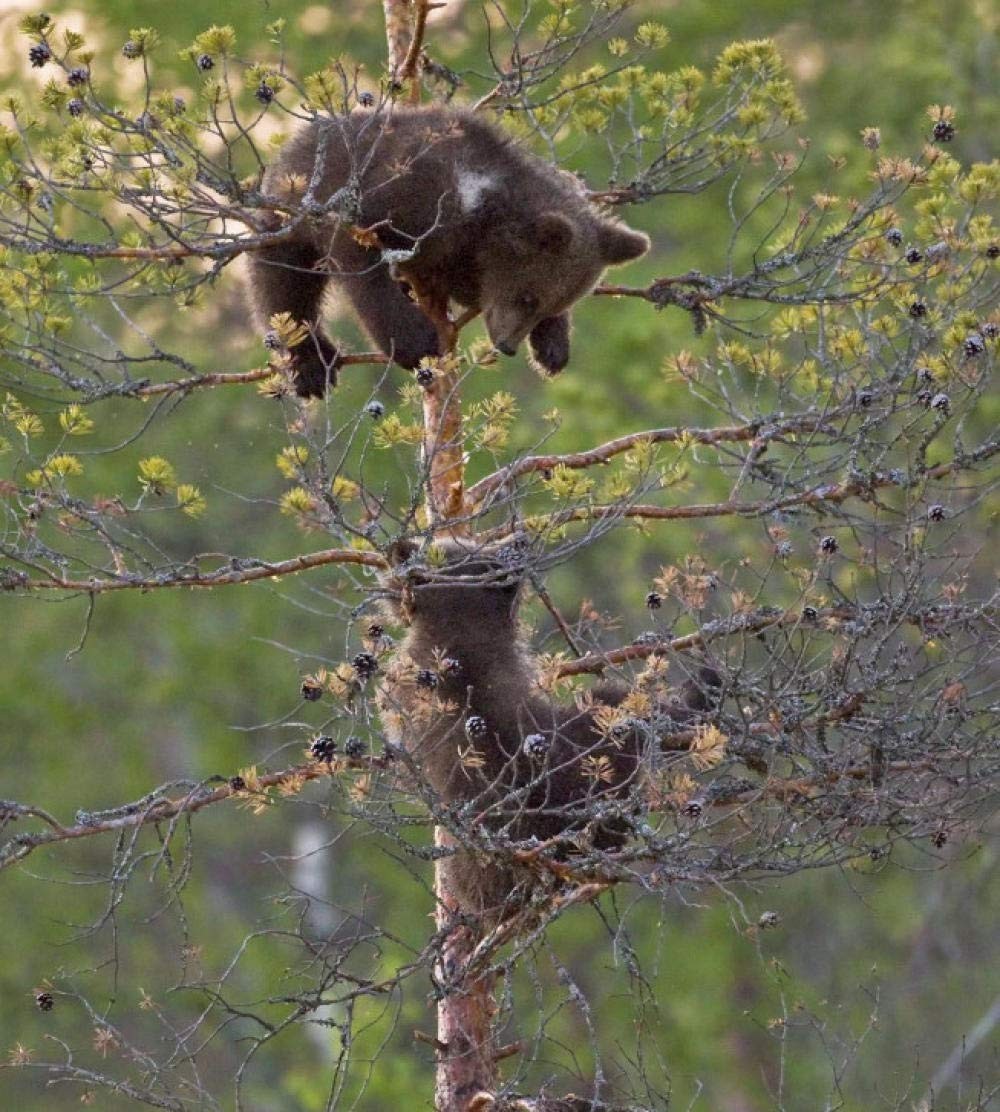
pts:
[291, 278]
[394, 321]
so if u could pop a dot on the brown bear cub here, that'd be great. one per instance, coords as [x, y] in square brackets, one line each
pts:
[459, 212]
[462, 697]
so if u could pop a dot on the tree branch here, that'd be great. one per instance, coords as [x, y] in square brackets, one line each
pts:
[225, 576]
[183, 385]
[761, 430]
[756, 622]
[154, 808]
[827, 494]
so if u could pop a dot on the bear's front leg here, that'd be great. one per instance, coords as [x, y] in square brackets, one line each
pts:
[388, 314]
[549, 343]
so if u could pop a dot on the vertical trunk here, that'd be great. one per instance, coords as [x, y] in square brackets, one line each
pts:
[466, 1056]
[397, 32]
[443, 446]
[466, 1046]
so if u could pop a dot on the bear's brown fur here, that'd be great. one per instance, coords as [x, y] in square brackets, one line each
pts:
[463, 630]
[460, 212]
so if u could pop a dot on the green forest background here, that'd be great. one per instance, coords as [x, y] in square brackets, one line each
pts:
[194, 683]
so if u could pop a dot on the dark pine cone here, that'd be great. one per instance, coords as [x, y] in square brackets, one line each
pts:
[536, 746]
[312, 692]
[365, 665]
[475, 727]
[322, 748]
[354, 748]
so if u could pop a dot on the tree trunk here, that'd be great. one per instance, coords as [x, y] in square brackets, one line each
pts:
[467, 1062]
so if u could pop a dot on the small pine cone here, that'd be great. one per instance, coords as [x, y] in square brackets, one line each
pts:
[131, 49]
[264, 93]
[974, 345]
[365, 665]
[692, 809]
[355, 748]
[424, 377]
[654, 600]
[322, 748]
[989, 330]
[810, 613]
[865, 398]
[376, 631]
[894, 236]
[621, 730]
[475, 727]
[993, 251]
[925, 397]
[769, 920]
[366, 100]
[44, 1001]
[75, 107]
[205, 62]
[829, 545]
[237, 783]
[536, 747]
[451, 667]
[913, 256]
[272, 341]
[937, 512]
[375, 410]
[39, 54]
[944, 131]
[941, 402]
[427, 678]
[77, 77]
[311, 691]
[917, 309]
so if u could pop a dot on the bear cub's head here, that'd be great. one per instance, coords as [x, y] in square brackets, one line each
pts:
[546, 262]
[450, 583]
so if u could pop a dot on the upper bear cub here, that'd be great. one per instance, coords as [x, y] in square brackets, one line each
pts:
[490, 227]
[462, 697]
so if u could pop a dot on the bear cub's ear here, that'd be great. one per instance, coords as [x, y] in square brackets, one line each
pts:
[553, 232]
[620, 244]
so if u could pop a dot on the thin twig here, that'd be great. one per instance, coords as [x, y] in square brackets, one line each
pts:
[226, 576]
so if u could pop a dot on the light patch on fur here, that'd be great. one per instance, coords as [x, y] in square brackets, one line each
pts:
[471, 186]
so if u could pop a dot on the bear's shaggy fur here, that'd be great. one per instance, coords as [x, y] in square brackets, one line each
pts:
[463, 630]
[461, 213]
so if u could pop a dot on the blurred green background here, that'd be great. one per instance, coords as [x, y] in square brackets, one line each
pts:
[188, 683]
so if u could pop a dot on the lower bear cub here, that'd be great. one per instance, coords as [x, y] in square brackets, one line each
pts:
[462, 697]
[464, 214]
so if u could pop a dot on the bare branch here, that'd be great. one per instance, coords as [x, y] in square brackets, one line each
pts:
[225, 576]
[762, 430]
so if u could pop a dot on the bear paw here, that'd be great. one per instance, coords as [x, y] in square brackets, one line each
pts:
[549, 344]
[315, 364]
